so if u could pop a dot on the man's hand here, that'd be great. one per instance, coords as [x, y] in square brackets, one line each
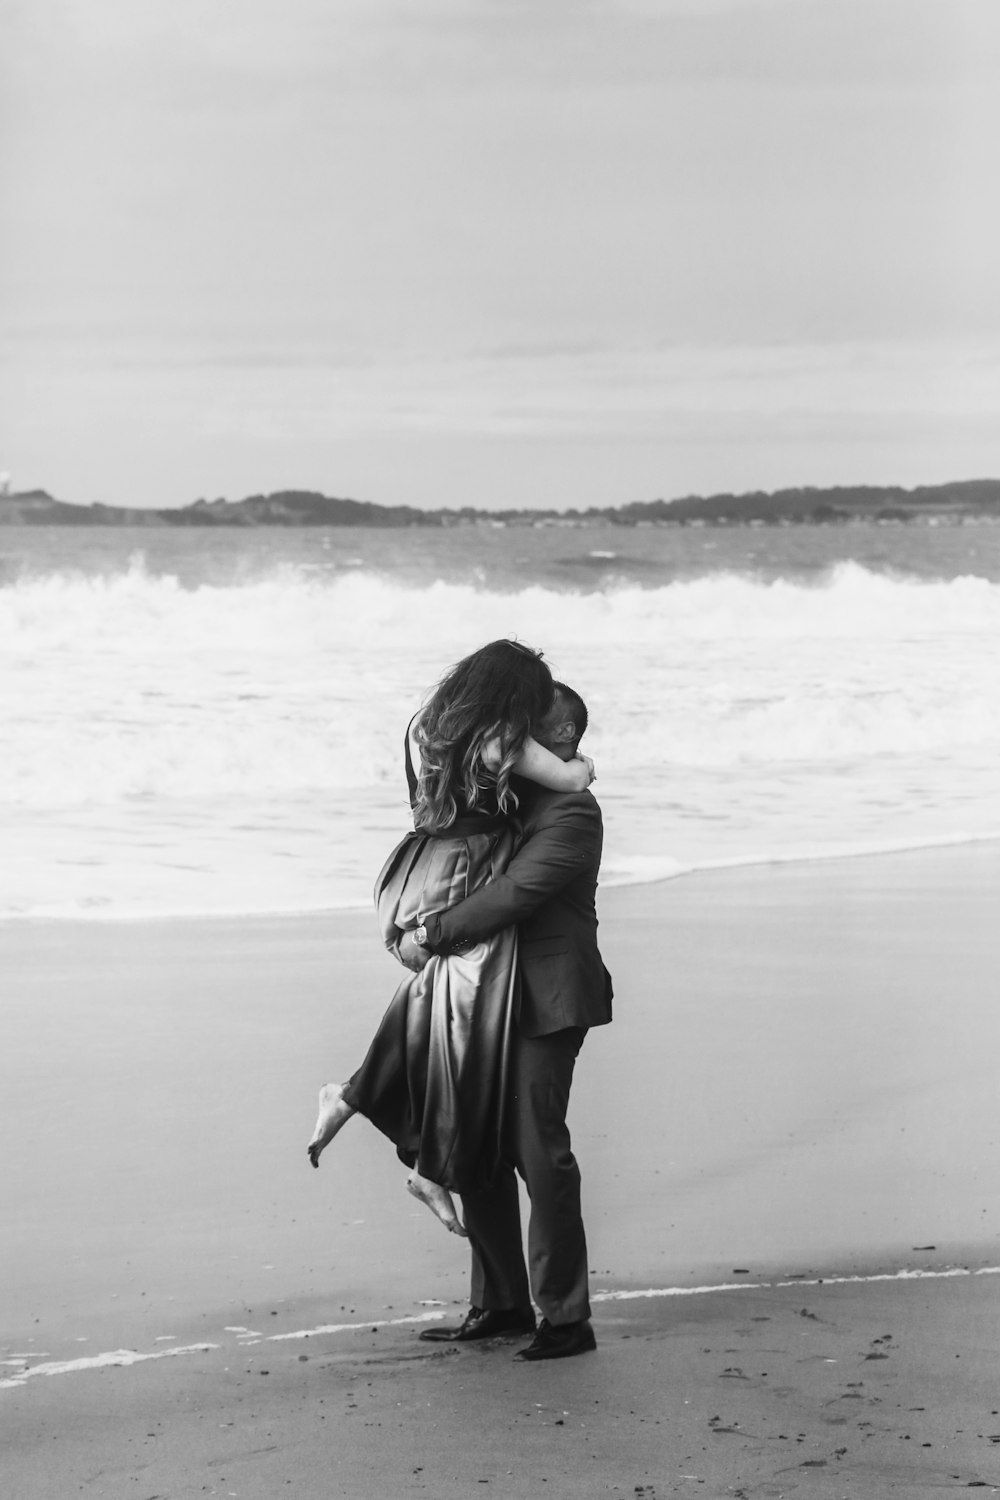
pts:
[411, 954]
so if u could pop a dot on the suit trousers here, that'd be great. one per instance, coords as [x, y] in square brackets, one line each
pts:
[536, 1144]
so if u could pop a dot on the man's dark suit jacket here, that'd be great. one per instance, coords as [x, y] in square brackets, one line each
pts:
[548, 892]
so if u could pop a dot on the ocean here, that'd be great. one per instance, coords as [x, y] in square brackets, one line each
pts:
[211, 723]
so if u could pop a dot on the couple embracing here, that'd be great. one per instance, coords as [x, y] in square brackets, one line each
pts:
[490, 904]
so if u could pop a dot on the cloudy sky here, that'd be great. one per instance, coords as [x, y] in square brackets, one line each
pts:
[497, 252]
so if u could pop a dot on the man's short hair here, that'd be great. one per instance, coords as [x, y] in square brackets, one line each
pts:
[575, 707]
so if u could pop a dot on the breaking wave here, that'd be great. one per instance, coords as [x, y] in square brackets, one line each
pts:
[130, 685]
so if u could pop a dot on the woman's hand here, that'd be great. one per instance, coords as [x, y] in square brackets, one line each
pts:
[589, 764]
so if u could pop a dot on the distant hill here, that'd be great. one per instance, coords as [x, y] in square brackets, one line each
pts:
[287, 508]
[971, 497]
[965, 499]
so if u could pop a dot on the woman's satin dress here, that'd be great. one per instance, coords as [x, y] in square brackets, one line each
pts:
[434, 1079]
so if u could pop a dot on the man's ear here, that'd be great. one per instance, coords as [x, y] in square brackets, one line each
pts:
[564, 733]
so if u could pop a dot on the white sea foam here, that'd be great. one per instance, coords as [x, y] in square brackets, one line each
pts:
[112, 1359]
[125, 1358]
[248, 735]
[131, 686]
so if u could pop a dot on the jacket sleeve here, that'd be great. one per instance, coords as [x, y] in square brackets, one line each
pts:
[566, 843]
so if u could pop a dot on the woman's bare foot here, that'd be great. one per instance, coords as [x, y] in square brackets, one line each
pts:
[334, 1111]
[438, 1200]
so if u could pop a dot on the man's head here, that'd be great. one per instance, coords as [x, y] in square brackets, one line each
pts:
[563, 726]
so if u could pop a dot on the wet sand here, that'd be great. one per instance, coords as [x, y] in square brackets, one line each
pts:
[799, 1086]
[861, 1391]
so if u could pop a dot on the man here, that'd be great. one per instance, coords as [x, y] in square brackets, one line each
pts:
[548, 891]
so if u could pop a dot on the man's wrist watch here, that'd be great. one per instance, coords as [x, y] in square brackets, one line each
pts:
[419, 936]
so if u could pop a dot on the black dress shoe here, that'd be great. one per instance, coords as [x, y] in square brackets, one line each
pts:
[483, 1323]
[559, 1340]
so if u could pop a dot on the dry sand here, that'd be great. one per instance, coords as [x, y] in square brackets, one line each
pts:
[799, 1087]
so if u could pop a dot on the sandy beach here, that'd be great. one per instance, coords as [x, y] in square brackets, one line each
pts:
[795, 1104]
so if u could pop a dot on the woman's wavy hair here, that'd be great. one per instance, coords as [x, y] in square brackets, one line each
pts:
[498, 691]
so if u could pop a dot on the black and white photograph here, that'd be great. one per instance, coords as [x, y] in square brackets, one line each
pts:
[499, 749]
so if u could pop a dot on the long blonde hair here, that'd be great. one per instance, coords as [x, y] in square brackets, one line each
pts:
[497, 692]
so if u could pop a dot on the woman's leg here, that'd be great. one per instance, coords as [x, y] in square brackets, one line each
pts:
[438, 1200]
[381, 1087]
[334, 1112]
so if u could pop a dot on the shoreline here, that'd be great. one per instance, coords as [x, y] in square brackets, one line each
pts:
[685, 872]
[18, 1370]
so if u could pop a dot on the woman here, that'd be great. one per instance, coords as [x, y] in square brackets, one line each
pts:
[433, 1080]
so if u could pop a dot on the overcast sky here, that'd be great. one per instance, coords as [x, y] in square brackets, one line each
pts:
[497, 252]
